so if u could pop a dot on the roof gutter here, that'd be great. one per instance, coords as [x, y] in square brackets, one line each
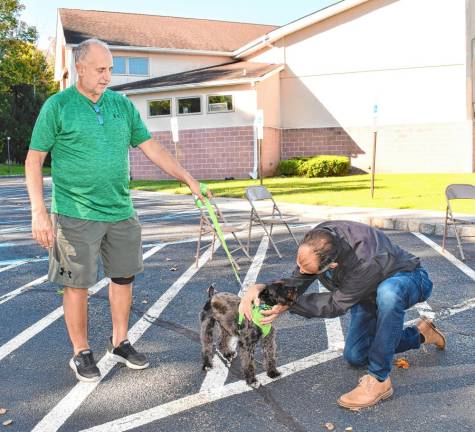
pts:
[294, 26]
[164, 50]
[216, 83]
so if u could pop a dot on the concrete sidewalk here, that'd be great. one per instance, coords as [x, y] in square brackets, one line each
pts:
[424, 221]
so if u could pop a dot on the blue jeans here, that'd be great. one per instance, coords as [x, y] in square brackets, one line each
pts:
[376, 331]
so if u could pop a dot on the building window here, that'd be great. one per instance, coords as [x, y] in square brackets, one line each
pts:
[161, 107]
[220, 103]
[190, 105]
[130, 66]
[119, 66]
[138, 66]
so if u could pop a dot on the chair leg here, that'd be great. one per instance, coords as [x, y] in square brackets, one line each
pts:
[241, 245]
[445, 228]
[249, 235]
[272, 241]
[459, 243]
[291, 233]
[212, 246]
[198, 247]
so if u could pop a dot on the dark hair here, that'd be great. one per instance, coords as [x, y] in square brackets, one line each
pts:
[324, 243]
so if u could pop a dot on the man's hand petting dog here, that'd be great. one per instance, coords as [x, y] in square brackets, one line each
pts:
[252, 298]
[272, 314]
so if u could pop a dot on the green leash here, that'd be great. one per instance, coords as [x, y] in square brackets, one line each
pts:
[217, 227]
[256, 318]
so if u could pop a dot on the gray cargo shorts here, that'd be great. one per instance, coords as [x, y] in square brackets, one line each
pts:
[74, 257]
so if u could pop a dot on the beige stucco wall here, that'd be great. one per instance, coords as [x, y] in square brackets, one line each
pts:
[159, 64]
[407, 56]
[268, 99]
[244, 98]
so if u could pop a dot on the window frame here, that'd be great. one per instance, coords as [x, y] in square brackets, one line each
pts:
[188, 97]
[219, 112]
[127, 68]
[159, 115]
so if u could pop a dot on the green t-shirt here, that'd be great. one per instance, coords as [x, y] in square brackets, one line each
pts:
[89, 145]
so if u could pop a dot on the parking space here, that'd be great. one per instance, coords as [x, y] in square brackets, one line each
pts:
[40, 392]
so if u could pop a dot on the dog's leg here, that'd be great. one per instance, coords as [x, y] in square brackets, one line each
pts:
[206, 336]
[247, 347]
[268, 351]
[224, 346]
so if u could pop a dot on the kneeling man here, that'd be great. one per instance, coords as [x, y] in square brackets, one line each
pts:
[374, 278]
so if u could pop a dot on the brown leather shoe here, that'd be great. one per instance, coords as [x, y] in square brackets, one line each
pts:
[368, 392]
[431, 335]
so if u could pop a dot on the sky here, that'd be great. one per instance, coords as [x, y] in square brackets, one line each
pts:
[42, 13]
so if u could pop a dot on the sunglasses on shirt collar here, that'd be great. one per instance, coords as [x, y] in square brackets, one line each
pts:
[100, 119]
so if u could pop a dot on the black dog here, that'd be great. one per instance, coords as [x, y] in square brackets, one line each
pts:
[223, 309]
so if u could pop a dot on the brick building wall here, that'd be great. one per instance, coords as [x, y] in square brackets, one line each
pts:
[213, 153]
[313, 141]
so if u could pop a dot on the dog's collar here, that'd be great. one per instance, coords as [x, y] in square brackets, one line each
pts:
[256, 318]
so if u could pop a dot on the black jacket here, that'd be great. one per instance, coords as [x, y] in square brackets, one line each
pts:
[365, 258]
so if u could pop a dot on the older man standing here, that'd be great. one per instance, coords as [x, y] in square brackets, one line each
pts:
[375, 279]
[88, 129]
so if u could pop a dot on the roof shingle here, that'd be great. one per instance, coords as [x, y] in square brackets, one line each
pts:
[229, 71]
[127, 29]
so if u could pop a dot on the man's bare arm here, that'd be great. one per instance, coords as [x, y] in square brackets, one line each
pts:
[41, 227]
[160, 157]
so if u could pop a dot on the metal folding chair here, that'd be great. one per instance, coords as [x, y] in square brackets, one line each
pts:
[207, 227]
[268, 216]
[452, 192]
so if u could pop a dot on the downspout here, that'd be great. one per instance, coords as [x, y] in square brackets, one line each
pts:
[254, 173]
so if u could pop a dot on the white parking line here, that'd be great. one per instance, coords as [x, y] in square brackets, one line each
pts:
[216, 377]
[2, 245]
[66, 407]
[335, 338]
[23, 337]
[208, 396]
[446, 254]
[12, 294]
[217, 393]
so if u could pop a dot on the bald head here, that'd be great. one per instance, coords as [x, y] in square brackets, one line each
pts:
[94, 67]
[82, 50]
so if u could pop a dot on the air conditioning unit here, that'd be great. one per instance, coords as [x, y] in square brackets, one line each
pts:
[218, 107]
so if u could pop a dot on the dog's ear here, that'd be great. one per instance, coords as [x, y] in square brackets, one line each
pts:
[211, 290]
[292, 294]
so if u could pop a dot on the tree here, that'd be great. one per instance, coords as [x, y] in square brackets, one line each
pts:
[26, 80]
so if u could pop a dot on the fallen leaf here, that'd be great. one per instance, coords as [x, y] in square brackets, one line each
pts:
[349, 429]
[7, 422]
[3, 411]
[401, 363]
[330, 426]
[59, 292]
[173, 269]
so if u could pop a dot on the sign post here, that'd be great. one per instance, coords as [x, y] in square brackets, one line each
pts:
[175, 136]
[259, 124]
[375, 139]
[8, 155]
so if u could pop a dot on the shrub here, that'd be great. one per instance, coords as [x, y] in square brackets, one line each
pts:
[288, 167]
[317, 166]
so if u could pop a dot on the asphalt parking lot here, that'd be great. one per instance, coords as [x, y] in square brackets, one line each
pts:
[40, 392]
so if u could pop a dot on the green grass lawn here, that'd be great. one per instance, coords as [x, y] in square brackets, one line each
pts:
[18, 170]
[401, 191]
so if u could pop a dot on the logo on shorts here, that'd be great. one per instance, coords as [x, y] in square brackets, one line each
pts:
[62, 271]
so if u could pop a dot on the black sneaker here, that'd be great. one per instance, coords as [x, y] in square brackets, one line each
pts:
[126, 353]
[84, 366]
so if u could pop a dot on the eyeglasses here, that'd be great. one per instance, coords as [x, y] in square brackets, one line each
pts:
[100, 119]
